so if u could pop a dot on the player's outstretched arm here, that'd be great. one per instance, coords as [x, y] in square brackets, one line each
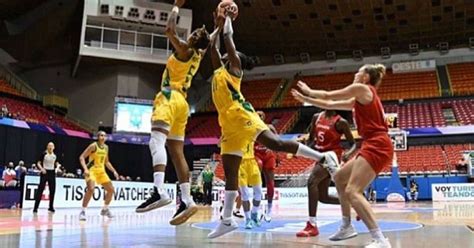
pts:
[179, 45]
[351, 91]
[234, 60]
[346, 105]
[215, 46]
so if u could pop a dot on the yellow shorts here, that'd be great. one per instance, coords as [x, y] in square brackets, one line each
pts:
[99, 176]
[171, 108]
[240, 127]
[249, 173]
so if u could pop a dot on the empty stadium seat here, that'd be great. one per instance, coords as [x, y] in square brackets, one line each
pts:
[394, 86]
[260, 92]
[5, 87]
[462, 78]
[430, 114]
[35, 113]
[208, 125]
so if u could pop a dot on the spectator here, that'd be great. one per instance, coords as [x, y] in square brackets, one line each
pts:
[139, 179]
[34, 170]
[413, 193]
[371, 195]
[68, 174]
[20, 169]
[4, 111]
[9, 176]
[128, 178]
[207, 178]
[121, 178]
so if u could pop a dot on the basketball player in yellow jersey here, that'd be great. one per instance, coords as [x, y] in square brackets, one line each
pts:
[170, 115]
[97, 154]
[240, 124]
[249, 176]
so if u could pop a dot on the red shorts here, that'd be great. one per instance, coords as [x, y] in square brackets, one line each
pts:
[267, 162]
[378, 151]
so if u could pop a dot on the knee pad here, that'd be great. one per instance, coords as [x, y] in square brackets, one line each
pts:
[157, 148]
[257, 193]
[244, 193]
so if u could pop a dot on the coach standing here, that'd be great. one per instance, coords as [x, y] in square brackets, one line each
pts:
[208, 178]
[46, 166]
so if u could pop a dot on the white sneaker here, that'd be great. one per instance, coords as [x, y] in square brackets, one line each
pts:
[379, 244]
[82, 216]
[226, 226]
[267, 217]
[331, 163]
[344, 233]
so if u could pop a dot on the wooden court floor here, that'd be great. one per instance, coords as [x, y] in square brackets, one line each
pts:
[422, 224]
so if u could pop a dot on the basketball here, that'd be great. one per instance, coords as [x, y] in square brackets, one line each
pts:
[227, 7]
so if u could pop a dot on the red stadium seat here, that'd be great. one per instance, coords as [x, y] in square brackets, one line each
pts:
[462, 78]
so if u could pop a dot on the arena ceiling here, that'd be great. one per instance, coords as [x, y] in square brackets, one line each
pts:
[263, 28]
[291, 27]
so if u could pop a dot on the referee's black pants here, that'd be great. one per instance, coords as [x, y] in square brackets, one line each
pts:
[49, 177]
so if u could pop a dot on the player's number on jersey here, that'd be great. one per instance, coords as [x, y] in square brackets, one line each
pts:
[321, 136]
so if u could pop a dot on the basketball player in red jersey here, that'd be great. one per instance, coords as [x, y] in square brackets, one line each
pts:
[376, 149]
[268, 161]
[325, 134]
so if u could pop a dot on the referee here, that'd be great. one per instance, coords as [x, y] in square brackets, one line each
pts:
[46, 166]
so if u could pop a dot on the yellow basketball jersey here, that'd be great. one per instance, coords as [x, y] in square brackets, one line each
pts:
[249, 152]
[178, 74]
[97, 158]
[226, 91]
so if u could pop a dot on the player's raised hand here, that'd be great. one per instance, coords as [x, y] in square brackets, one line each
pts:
[303, 87]
[218, 20]
[179, 3]
[298, 96]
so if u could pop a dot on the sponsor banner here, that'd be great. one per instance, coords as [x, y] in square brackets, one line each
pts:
[414, 66]
[452, 191]
[453, 211]
[70, 193]
[282, 196]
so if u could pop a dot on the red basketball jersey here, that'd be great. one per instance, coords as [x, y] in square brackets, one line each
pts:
[326, 136]
[370, 119]
[260, 150]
